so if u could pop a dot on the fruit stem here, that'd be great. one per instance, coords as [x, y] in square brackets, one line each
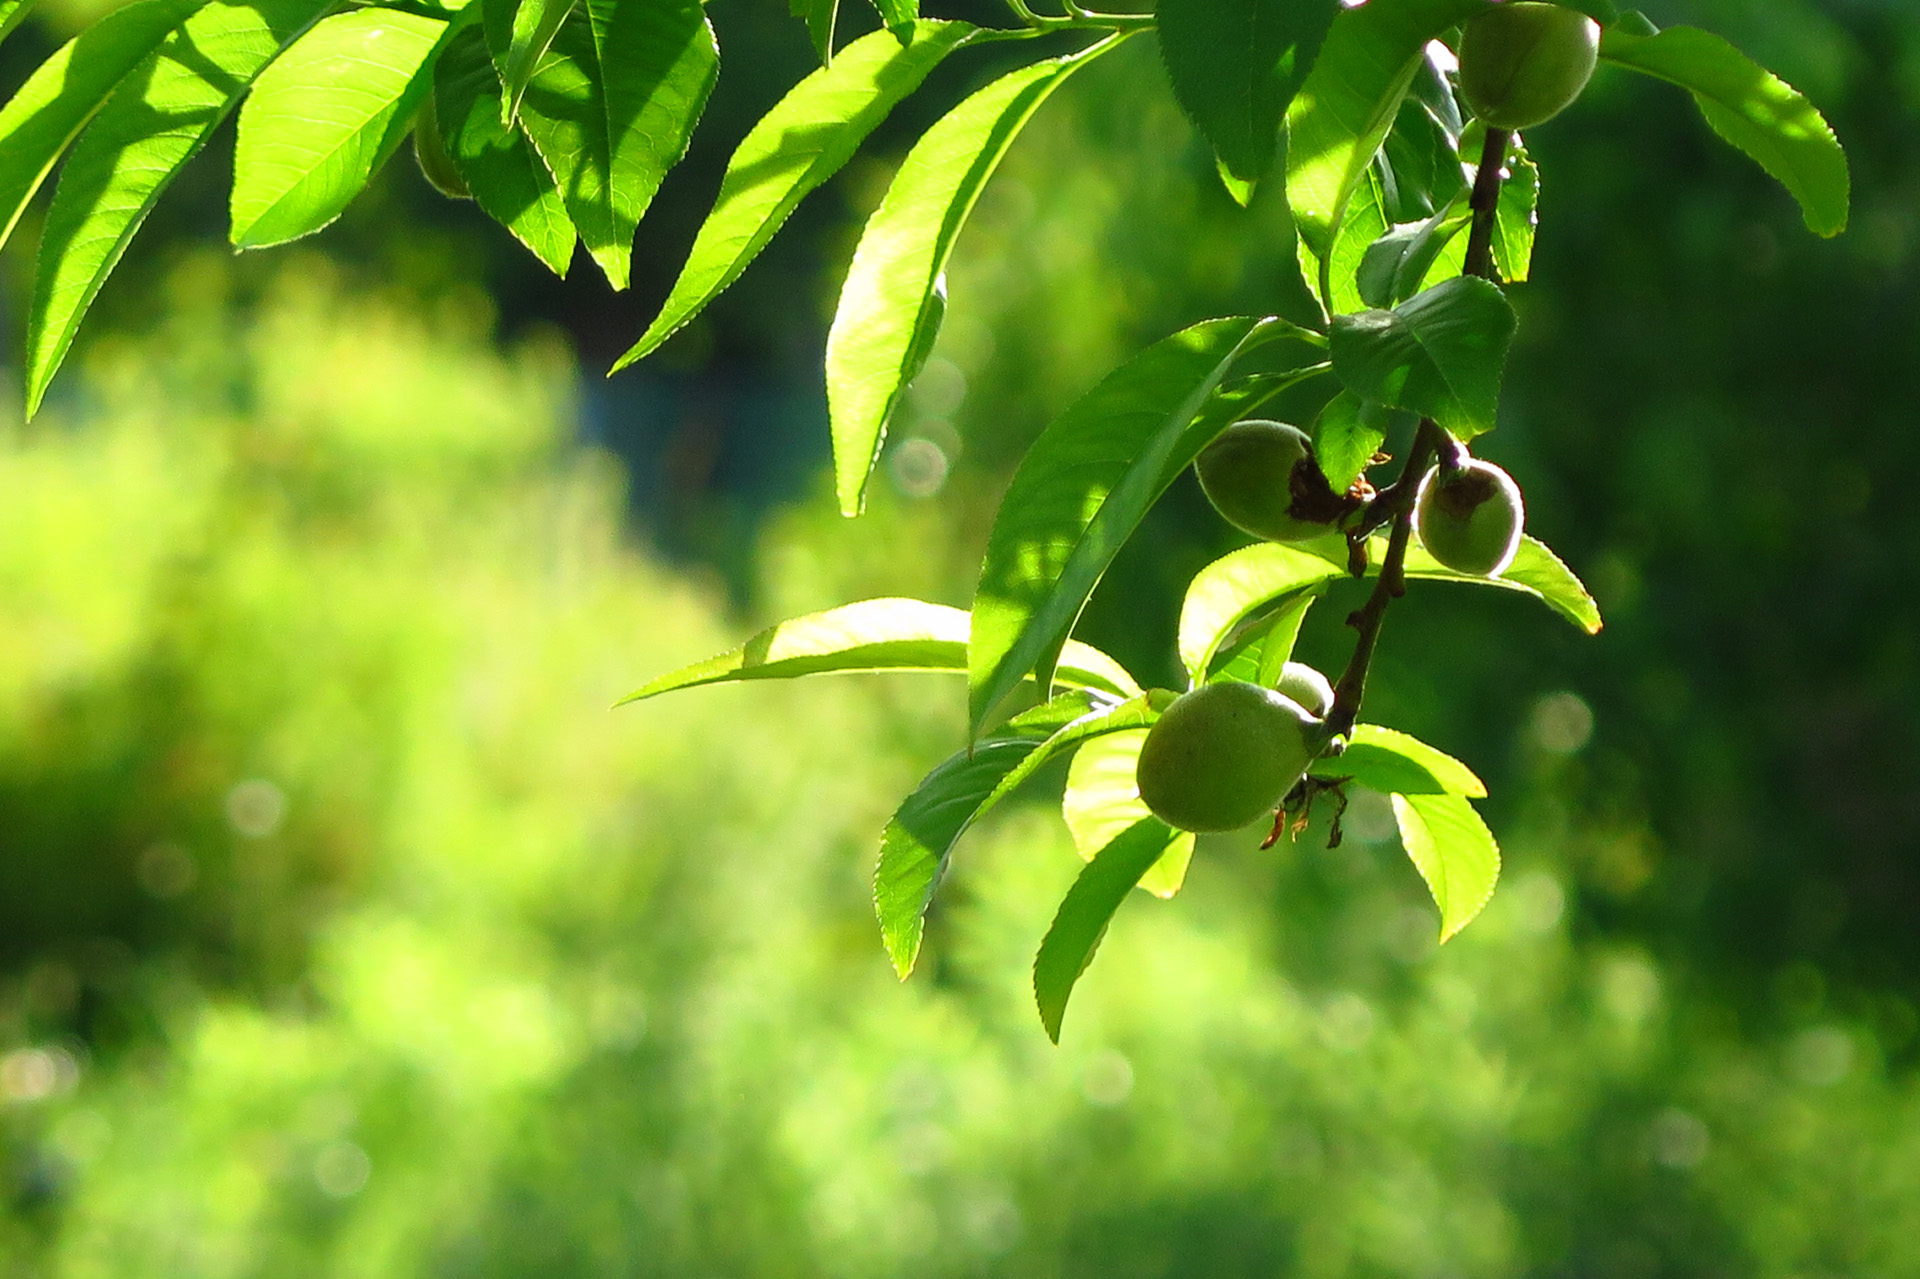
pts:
[1394, 505]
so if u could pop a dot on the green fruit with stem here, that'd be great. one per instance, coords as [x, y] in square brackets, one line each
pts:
[1248, 475]
[1524, 62]
[1301, 683]
[1225, 755]
[430, 152]
[1470, 518]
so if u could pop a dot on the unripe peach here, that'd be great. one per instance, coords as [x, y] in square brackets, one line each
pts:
[1470, 519]
[1524, 62]
[1225, 755]
[1247, 473]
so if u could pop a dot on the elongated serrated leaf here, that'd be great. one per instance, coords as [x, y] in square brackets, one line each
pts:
[802, 142]
[1535, 571]
[1750, 108]
[820, 17]
[1516, 217]
[1227, 591]
[1397, 263]
[873, 635]
[1454, 852]
[1135, 712]
[1342, 114]
[48, 112]
[157, 120]
[1441, 354]
[610, 109]
[1102, 799]
[896, 13]
[519, 33]
[320, 118]
[1395, 763]
[1081, 490]
[1084, 914]
[507, 180]
[1236, 64]
[882, 314]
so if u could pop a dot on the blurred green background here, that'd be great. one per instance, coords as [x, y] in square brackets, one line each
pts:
[345, 932]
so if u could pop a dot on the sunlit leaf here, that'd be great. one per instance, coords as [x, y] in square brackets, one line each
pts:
[1236, 64]
[12, 14]
[873, 635]
[1081, 490]
[1134, 713]
[795, 147]
[155, 122]
[897, 13]
[1102, 799]
[48, 112]
[1535, 571]
[1752, 109]
[820, 17]
[519, 32]
[507, 180]
[1342, 114]
[1441, 354]
[1454, 852]
[1394, 763]
[322, 116]
[1346, 436]
[1084, 914]
[1398, 262]
[1516, 217]
[881, 323]
[1228, 591]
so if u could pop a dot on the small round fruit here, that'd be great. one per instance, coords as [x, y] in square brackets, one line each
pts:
[1247, 473]
[1308, 687]
[1524, 62]
[1225, 755]
[1470, 519]
[430, 152]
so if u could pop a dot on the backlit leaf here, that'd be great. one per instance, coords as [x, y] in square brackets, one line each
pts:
[1084, 914]
[820, 17]
[1535, 571]
[519, 32]
[1228, 591]
[1394, 763]
[1441, 354]
[1102, 799]
[1454, 852]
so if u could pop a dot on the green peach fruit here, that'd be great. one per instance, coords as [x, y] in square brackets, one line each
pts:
[1524, 62]
[1247, 473]
[1225, 755]
[1470, 519]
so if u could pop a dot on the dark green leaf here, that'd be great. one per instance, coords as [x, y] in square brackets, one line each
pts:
[506, 178]
[896, 13]
[1440, 354]
[903, 250]
[1604, 12]
[1236, 64]
[1454, 852]
[873, 635]
[1515, 217]
[519, 33]
[1342, 114]
[1346, 436]
[799, 144]
[12, 14]
[1395, 764]
[1751, 108]
[1397, 263]
[322, 116]
[820, 16]
[47, 113]
[1419, 166]
[1085, 913]
[1080, 491]
[157, 120]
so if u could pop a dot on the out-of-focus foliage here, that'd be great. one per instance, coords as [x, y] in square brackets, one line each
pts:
[351, 934]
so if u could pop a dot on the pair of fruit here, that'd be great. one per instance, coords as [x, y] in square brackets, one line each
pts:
[1468, 517]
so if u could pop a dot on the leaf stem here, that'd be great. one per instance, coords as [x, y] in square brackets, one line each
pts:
[1077, 18]
[1394, 505]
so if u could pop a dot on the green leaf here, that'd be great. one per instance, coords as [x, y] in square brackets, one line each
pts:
[1516, 217]
[1535, 571]
[820, 16]
[1257, 651]
[12, 14]
[1419, 164]
[1080, 491]
[802, 142]
[1397, 263]
[1394, 763]
[1135, 712]
[896, 13]
[519, 33]
[610, 109]
[155, 122]
[1346, 436]
[322, 116]
[1341, 116]
[889, 289]
[1750, 108]
[507, 180]
[873, 635]
[1236, 64]
[1454, 852]
[48, 112]
[1102, 799]
[1228, 591]
[1084, 914]
[1440, 354]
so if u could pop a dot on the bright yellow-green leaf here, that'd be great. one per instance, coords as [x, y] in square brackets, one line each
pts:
[1454, 852]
